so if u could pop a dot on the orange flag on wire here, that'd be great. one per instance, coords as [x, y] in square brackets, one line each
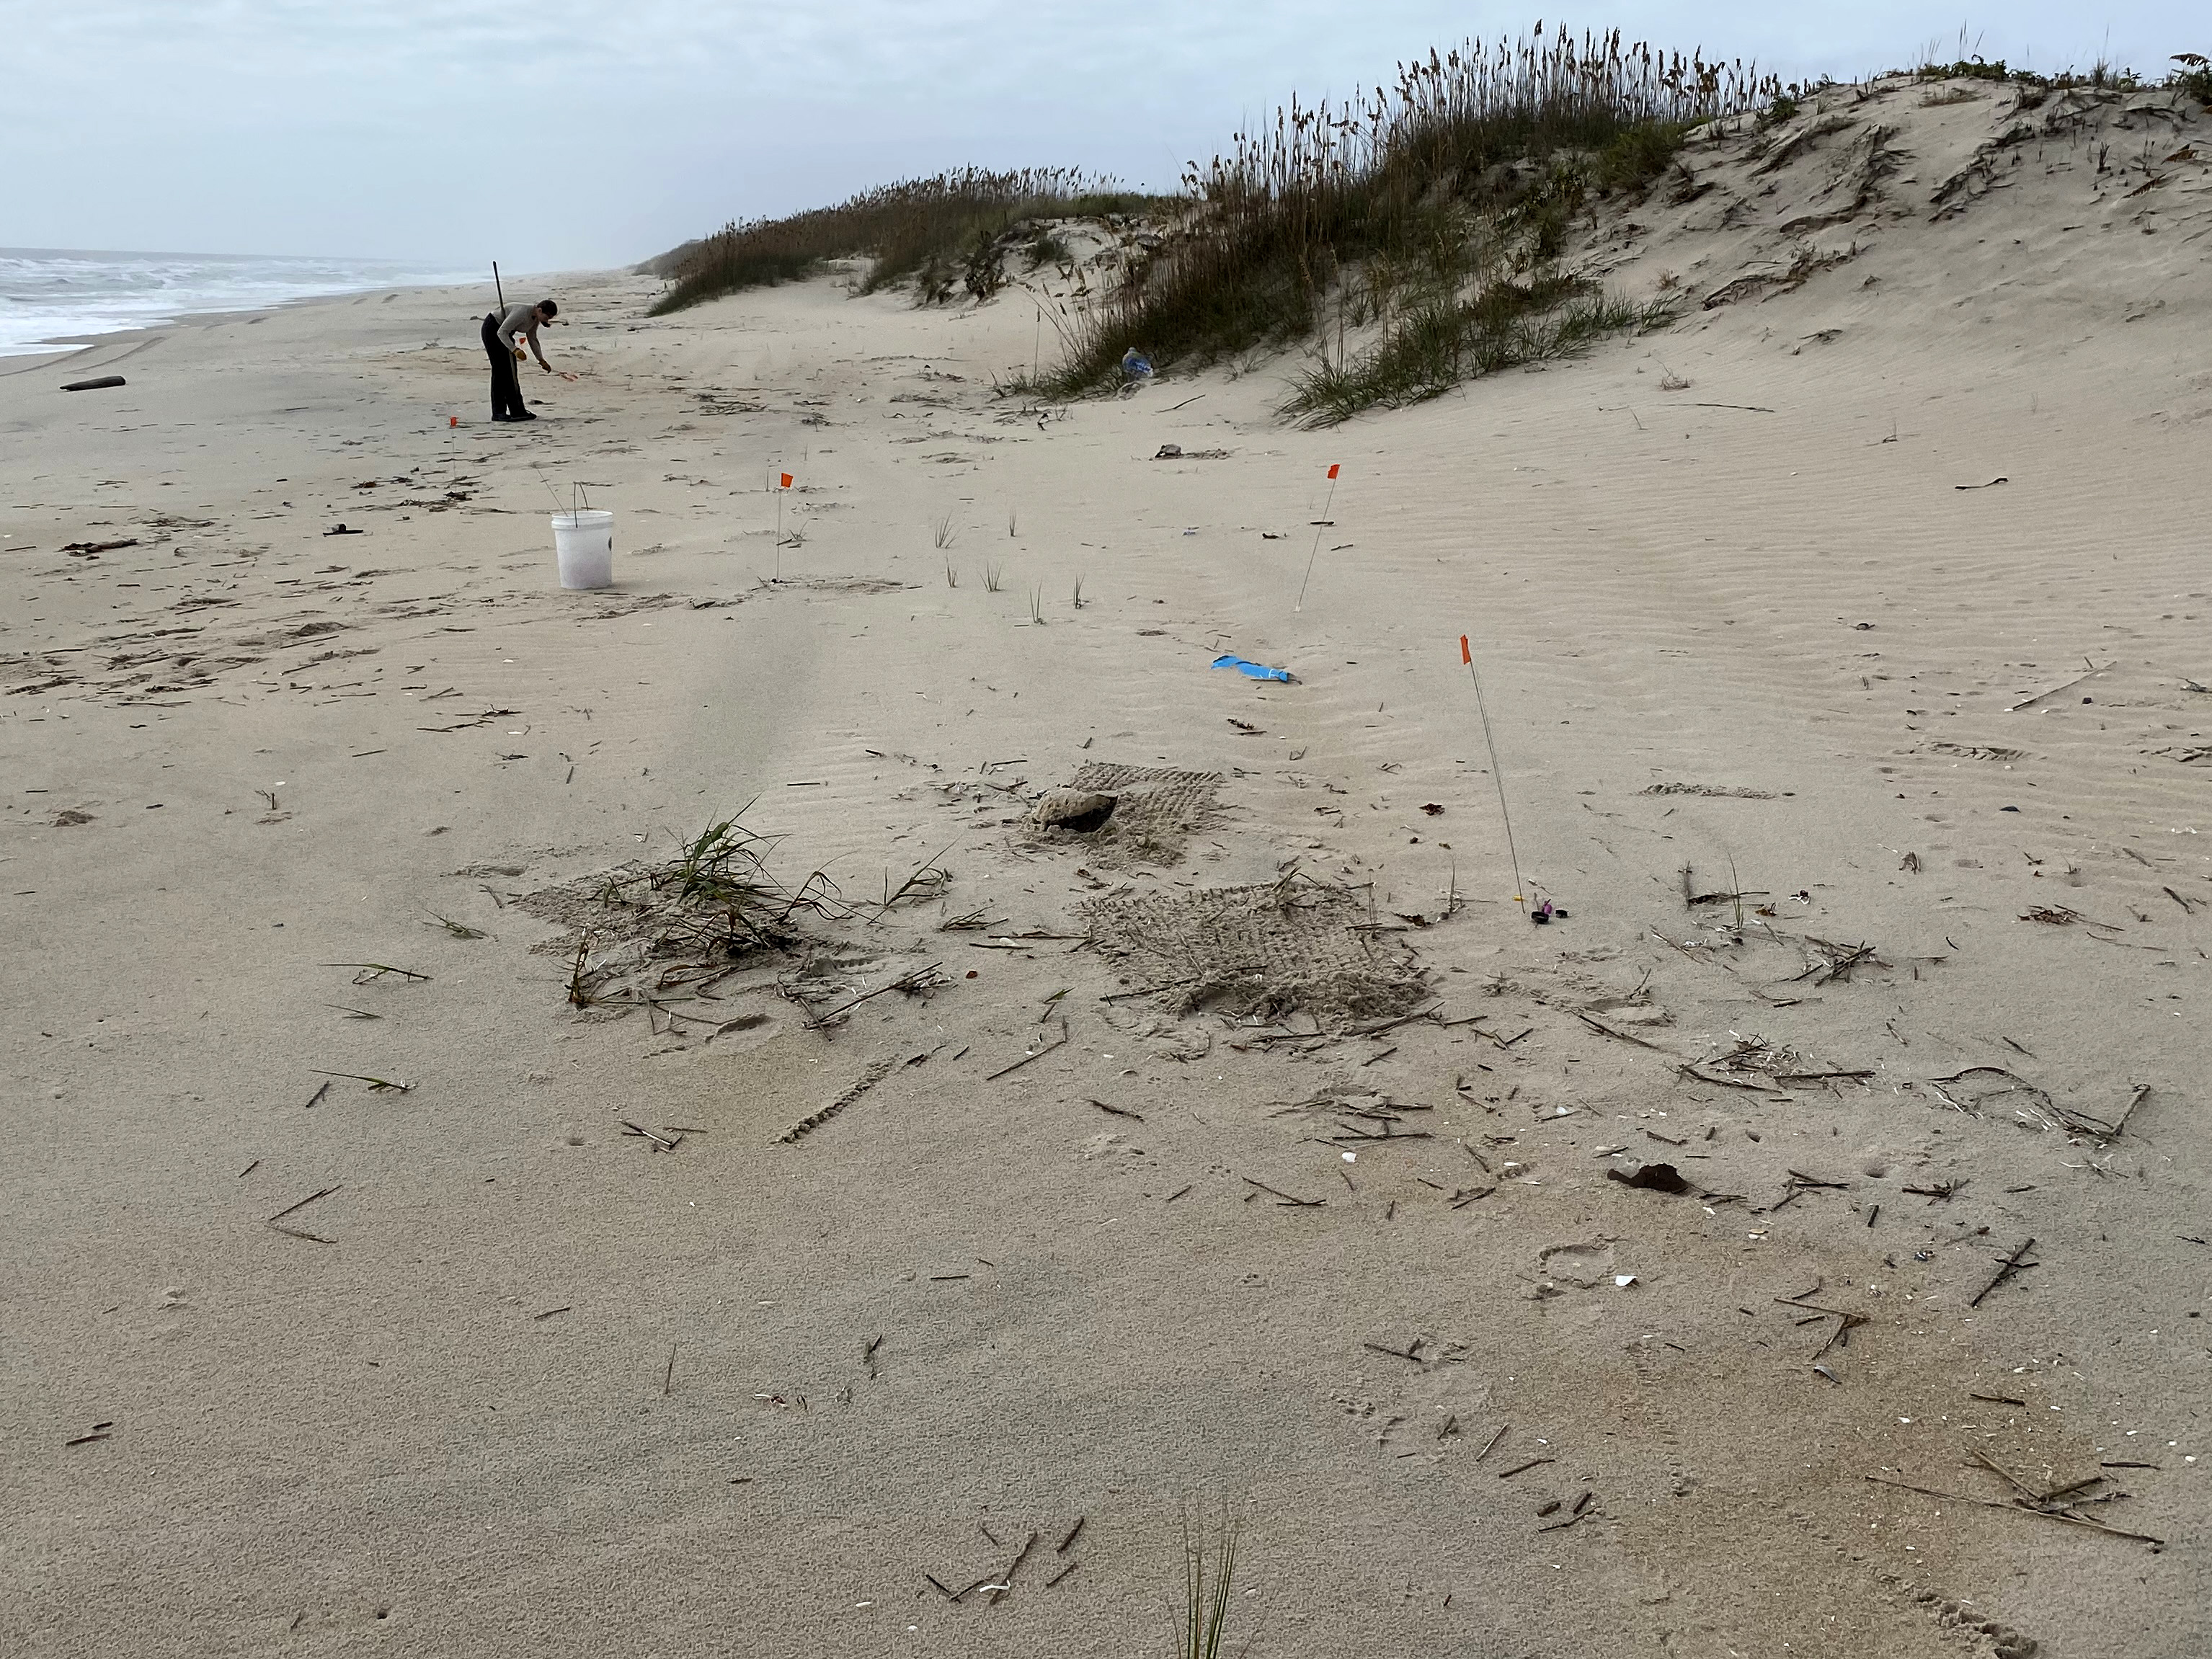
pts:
[1332, 475]
[785, 476]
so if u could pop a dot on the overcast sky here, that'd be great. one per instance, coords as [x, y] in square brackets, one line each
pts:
[564, 134]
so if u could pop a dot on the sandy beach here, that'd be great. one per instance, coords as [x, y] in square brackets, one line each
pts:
[1844, 651]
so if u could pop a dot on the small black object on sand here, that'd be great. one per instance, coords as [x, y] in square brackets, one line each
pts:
[1658, 1178]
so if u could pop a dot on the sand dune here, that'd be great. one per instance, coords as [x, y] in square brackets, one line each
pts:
[1845, 650]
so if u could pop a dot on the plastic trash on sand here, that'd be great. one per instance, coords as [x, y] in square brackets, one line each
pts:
[1253, 671]
[1135, 365]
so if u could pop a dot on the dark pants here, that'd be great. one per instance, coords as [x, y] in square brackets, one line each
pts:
[506, 390]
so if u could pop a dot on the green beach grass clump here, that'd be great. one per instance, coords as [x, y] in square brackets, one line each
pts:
[1433, 207]
[1442, 341]
[1209, 1563]
[2191, 77]
[940, 233]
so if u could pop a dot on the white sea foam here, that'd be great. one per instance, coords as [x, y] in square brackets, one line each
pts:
[52, 294]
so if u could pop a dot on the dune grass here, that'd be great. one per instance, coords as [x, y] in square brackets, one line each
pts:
[2193, 75]
[1467, 174]
[1432, 213]
[941, 233]
[1209, 1563]
[1443, 340]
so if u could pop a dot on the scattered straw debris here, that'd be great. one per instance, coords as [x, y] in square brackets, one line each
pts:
[1756, 1062]
[643, 930]
[1828, 961]
[1977, 752]
[1719, 791]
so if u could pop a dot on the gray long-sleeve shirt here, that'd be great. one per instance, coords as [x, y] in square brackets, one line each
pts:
[520, 319]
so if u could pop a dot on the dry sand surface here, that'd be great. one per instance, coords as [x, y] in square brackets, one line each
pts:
[1892, 619]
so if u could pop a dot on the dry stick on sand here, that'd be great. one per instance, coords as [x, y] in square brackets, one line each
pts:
[1522, 1468]
[1287, 1200]
[302, 1204]
[1006, 1578]
[376, 1084]
[914, 981]
[369, 970]
[1412, 1351]
[2018, 1509]
[1426, 1010]
[1026, 1058]
[277, 1222]
[1599, 1025]
[2012, 1265]
[2134, 1099]
[660, 1144]
[2008, 1476]
[2026, 701]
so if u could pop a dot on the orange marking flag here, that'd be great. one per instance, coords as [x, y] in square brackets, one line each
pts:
[787, 480]
[1332, 473]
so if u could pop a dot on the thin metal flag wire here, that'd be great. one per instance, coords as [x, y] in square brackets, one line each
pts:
[1497, 772]
[1320, 525]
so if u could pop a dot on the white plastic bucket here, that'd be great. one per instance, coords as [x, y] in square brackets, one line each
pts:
[584, 545]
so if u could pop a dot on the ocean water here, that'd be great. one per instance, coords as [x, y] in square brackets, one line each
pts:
[50, 293]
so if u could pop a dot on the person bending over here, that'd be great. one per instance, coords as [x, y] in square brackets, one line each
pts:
[508, 337]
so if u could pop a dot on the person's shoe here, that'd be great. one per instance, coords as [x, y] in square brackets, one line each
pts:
[525, 416]
[502, 417]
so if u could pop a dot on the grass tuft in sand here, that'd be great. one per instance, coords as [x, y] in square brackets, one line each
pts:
[1474, 162]
[1435, 345]
[1209, 1565]
[941, 231]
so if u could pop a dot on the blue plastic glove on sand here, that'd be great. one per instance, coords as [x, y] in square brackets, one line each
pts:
[1253, 671]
